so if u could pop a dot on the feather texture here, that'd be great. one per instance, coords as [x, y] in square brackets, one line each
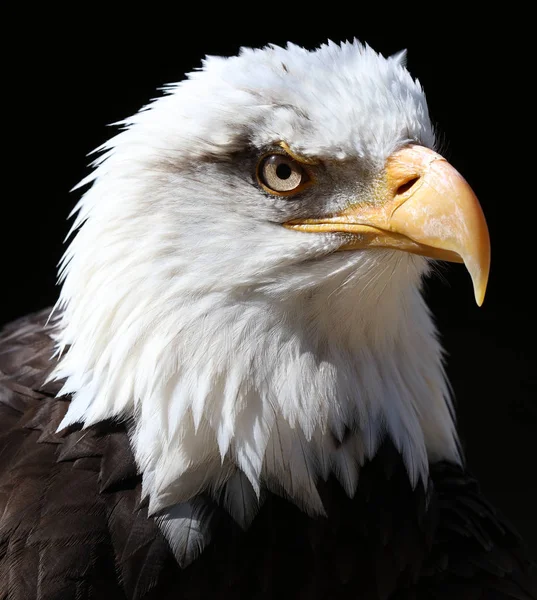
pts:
[73, 524]
[187, 527]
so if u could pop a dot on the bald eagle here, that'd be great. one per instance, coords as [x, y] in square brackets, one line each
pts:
[240, 392]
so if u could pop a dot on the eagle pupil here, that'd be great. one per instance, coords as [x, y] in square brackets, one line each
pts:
[283, 171]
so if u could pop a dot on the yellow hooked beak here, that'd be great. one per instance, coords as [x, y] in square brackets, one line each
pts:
[423, 206]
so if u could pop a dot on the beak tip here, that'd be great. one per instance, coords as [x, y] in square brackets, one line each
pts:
[480, 288]
[477, 262]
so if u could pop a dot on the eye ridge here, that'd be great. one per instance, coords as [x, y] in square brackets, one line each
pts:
[281, 175]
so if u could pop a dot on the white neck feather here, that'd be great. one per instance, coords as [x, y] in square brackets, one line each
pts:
[269, 389]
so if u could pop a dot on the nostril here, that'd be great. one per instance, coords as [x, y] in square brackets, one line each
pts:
[402, 189]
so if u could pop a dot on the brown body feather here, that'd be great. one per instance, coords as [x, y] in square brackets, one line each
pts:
[72, 525]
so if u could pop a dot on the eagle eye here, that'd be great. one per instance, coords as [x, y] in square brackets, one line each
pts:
[281, 175]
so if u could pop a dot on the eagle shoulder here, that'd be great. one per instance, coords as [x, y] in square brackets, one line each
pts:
[71, 521]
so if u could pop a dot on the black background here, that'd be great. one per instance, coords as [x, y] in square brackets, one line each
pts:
[69, 75]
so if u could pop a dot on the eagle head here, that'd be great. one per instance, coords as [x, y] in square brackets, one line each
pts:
[244, 285]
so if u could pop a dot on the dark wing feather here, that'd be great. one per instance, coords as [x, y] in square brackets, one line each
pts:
[52, 521]
[73, 526]
[476, 553]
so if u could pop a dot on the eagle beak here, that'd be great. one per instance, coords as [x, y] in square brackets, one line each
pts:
[422, 205]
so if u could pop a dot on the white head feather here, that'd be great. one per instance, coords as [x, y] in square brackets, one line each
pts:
[239, 348]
